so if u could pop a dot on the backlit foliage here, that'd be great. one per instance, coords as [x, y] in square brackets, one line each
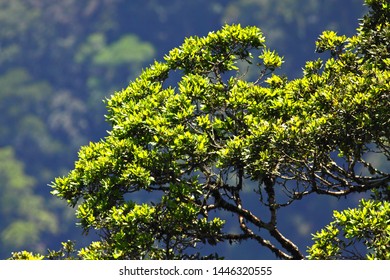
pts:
[194, 134]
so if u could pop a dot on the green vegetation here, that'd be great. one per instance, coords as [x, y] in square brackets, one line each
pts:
[368, 225]
[223, 141]
[200, 143]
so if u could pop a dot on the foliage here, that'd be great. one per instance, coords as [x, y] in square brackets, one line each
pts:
[67, 252]
[27, 256]
[52, 84]
[197, 135]
[368, 224]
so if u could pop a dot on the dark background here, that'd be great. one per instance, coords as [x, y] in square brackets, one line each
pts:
[60, 58]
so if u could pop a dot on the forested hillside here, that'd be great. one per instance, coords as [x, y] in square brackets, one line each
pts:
[59, 60]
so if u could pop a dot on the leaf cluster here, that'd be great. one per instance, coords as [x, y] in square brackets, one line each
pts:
[360, 233]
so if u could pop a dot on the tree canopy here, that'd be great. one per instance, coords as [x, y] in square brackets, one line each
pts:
[203, 139]
[58, 60]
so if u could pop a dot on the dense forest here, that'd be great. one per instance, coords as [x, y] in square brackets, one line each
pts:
[59, 60]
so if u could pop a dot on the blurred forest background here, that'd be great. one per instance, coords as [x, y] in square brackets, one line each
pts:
[60, 58]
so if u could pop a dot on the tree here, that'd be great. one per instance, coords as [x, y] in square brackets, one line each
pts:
[200, 140]
[358, 233]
